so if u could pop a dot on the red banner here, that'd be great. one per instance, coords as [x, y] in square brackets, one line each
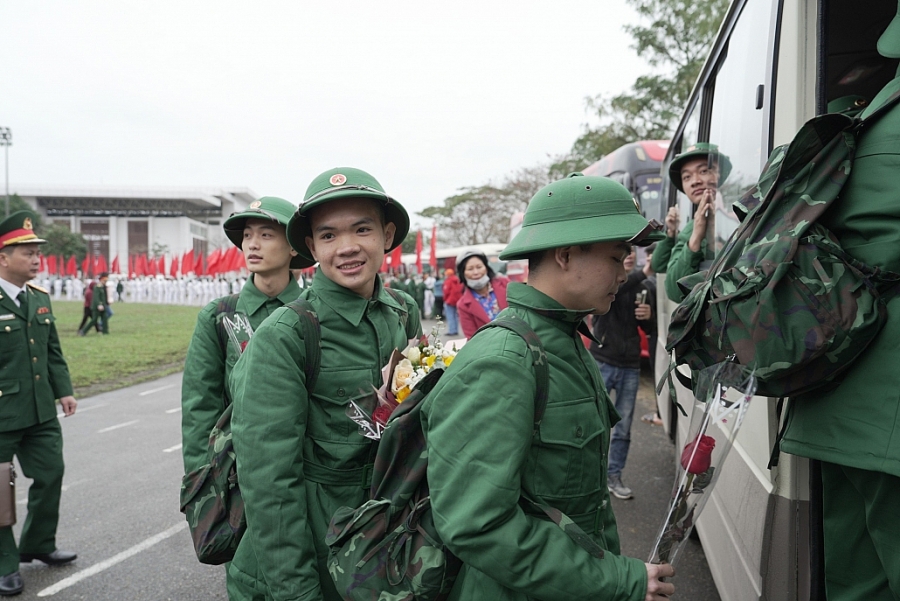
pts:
[419, 251]
[101, 265]
[72, 267]
[115, 265]
[173, 268]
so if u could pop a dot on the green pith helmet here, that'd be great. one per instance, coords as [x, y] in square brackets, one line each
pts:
[580, 210]
[848, 105]
[889, 42]
[337, 184]
[271, 208]
[18, 228]
[700, 150]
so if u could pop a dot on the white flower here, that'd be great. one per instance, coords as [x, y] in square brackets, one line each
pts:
[413, 354]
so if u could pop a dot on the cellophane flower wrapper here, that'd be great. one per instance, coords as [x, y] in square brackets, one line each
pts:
[715, 421]
[239, 331]
[372, 410]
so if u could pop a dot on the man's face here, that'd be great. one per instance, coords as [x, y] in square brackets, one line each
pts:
[349, 239]
[698, 176]
[266, 248]
[595, 274]
[20, 263]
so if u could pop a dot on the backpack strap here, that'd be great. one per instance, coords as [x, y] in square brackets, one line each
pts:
[312, 338]
[226, 307]
[404, 316]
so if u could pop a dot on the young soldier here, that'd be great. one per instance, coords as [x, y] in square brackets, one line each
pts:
[697, 172]
[483, 456]
[99, 306]
[33, 374]
[299, 455]
[260, 233]
[853, 429]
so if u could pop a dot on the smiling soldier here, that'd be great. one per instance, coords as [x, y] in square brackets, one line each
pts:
[299, 456]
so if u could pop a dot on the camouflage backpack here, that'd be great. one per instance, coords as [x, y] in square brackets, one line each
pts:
[782, 297]
[210, 496]
[388, 548]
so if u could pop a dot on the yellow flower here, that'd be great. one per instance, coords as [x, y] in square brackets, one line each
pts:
[402, 394]
[448, 360]
[429, 361]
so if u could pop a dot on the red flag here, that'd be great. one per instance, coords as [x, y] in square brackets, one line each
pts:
[198, 264]
[419, 251]
[85, 266]
[51, 264]
[150, 262]
[173, 267]
[240, 262]
[130, 265]
[187, 262]
[384, 264]
[101, 264]
[140, 264]
[161, 266]
[61, 264]
[115, 265]
[213, 265]
[72, 267]
[432, 260]
[43, 266]
[397, 259]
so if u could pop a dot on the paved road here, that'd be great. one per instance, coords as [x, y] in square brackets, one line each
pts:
[120, 505]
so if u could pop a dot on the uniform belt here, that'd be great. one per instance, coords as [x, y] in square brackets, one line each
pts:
[361, 476]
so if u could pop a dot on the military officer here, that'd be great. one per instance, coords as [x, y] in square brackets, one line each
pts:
[99, 307]
[33, 374]
[299, 456]
[697, 172]
[483, 456]
[854, 428]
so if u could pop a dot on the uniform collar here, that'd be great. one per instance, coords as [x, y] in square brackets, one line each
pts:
[11, 289]
[567, 320]
[253, 299]
[347, 303]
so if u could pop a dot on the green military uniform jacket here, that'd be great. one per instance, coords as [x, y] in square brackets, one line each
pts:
[206, 369]
[857, 424]
[482, 458]
[299, 456]
[99, 298]
[673, 258]
[33, 372]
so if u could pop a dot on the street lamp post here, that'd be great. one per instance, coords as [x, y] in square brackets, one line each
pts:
[6, 142]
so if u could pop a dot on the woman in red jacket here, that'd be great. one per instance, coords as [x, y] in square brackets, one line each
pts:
[485, 292]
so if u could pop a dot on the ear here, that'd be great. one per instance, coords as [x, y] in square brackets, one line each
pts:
[311, 246]
[562, 257]
[293, 252]
[390, 229]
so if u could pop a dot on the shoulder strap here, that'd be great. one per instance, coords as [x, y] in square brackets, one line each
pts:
[312, 338]
[538, 359]
[225, 307]
[881, 110]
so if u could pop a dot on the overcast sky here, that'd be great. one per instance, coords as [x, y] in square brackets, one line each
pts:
[428, 97]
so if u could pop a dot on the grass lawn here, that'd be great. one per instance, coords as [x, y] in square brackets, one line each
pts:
[145, 342]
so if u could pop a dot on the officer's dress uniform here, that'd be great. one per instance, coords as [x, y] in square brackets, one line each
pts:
[99, 316]
[33, 374]
[482, 458]
[299, 456]
[206, 369]
[854, 429]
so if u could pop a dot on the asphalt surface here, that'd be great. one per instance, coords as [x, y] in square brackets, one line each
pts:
[120, 512]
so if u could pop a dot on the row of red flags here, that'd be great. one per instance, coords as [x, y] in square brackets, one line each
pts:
[218, 262]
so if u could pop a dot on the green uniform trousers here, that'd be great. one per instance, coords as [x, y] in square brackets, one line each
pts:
[862, 534]
[39, 450]
[98, 318]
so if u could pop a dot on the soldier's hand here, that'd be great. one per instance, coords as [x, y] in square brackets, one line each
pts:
[100, 308]
[702, 217]
[672, 222]
[642, 312]
[656, 588]
[68, 404]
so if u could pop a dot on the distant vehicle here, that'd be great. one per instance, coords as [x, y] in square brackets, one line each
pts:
[516, 270]
[447, 256]
[638, 167]
[774, 65]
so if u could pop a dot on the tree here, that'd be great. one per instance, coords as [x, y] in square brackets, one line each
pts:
[64, 243]
[409, 243]
[675, 42]
[480, 214]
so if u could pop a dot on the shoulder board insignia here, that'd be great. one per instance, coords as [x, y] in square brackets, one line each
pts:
[38, 288]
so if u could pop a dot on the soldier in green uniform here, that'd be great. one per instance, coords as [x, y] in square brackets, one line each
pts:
[483, 456]
[854, 428]
[33, 374]
[697, 172]
[99, 307]
[299, 456]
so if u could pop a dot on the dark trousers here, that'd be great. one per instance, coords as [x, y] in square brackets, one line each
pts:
[39, 450]
[86, 317]
[100, 320]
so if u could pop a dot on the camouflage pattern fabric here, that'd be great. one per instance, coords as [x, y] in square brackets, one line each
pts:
[783, 298]
[211, 496]
[388, 549]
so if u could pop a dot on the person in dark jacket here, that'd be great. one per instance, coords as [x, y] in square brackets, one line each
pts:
[617, 351]
[484, 295]
[453, 290]
[88, 300]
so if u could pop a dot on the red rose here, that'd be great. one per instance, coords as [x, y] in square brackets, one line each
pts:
[244, 345]
[702, 457]
[381, 414]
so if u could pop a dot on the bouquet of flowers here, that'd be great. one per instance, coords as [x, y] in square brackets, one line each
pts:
[715, 421]
[400, 376]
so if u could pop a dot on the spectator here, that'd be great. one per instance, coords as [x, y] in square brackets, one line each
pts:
[453, 290]
[438, 311]
[484, 295]
[88, 299]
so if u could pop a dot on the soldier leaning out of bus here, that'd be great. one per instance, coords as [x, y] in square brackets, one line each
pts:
[697, 172]
[854, 429]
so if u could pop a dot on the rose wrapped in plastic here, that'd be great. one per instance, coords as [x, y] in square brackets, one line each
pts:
[697, 454]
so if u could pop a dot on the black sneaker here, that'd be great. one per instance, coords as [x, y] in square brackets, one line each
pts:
[616, 488]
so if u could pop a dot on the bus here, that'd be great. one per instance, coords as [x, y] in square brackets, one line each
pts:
[773, 65]
[637, 166]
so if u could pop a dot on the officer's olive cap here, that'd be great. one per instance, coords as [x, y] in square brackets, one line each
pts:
[18, 228]
[580, 210]
[700, 150]
[889, 42]
[269, 208]
[338, 184]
